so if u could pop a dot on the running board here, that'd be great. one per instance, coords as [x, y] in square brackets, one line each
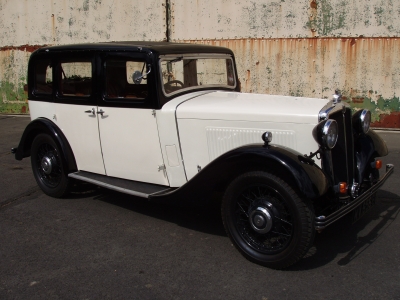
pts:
[135, 188]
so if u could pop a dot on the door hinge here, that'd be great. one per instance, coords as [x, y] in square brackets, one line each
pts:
[161, 168]
[153, 113]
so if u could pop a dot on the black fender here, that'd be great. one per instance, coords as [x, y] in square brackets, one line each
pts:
[380, 148]
[43, 125]
[366, 148]
[286, 163]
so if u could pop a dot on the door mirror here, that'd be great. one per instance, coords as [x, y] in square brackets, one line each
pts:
[137, 76]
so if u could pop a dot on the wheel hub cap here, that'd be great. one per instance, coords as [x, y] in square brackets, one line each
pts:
[46, 165]
[261, 219]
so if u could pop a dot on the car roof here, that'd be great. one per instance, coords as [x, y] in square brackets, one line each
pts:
[160, 48]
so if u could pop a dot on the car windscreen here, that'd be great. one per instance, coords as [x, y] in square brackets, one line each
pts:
[181, 73]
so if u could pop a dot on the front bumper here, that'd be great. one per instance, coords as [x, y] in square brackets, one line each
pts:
[323, 221]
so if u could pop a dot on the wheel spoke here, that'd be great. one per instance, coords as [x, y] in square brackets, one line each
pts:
[243, 210]
[281, 232]
[282, 220]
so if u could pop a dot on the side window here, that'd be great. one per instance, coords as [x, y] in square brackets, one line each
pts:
[43, 77]
[76, 79]
[120, 82]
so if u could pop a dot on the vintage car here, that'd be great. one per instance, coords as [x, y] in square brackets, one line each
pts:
[167, 122]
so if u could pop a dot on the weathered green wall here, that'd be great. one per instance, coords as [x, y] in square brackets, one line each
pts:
[27, 25]
[290, 47]
[13, 98]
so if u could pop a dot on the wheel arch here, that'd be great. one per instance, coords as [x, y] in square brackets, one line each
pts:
[43, 125]
[307, 178]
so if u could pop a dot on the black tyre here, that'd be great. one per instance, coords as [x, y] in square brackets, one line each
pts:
[267, 220]
[48, 167]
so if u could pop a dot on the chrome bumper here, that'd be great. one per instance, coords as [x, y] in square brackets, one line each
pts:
[323, 221]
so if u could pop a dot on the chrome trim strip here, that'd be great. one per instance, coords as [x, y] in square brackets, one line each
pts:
[322, 222]
[109, 186]
[346, 149]
[330, 108]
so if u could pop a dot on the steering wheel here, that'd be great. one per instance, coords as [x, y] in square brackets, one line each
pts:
[168, 86]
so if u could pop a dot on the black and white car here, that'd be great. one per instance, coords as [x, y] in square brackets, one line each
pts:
[167, 121]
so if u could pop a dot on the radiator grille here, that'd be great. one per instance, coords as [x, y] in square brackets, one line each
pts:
[343, 152]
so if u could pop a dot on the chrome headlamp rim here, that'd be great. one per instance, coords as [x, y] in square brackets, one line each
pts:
[362, 121]
[325, 133]
[365, 119]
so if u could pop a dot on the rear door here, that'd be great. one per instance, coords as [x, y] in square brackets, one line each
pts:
[76, 108]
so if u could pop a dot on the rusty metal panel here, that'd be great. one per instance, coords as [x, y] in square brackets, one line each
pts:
[366, 70]
[305, 48]
[290, 47]
[224, 19]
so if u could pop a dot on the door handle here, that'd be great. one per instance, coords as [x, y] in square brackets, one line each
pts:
[92, 111]
[101, 112]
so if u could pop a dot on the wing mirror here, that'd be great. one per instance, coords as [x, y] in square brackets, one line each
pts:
[137, 76]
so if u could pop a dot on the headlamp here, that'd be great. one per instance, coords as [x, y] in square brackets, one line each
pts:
[362, 120]
[326, 133]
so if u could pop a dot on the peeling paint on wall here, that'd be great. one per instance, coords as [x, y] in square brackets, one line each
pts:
[27, 25]
[385, 112]
[13, 95]
[243, 19]
[289, 47]
[79, 21]
[305, 48]
[367, 71]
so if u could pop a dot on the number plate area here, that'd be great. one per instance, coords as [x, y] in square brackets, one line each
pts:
[363, 208]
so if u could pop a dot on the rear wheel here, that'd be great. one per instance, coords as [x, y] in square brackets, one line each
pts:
[267, 220]
[48, 167]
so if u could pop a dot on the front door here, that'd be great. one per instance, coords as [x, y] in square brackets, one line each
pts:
[127, 124]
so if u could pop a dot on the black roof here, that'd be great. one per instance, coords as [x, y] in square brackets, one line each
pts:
[138, 46]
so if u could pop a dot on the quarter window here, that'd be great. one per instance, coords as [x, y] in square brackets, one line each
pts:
[43, 77]
[76, 79]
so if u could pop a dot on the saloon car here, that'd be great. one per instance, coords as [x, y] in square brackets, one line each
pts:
[167, 122]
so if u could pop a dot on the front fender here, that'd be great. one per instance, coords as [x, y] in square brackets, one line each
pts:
[367, 147]
[290, 165]
[42, 125]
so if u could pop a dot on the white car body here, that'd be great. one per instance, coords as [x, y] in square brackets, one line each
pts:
[167, 122]
[211, 123]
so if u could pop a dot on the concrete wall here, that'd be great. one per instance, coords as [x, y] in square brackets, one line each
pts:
[26, 25]
[290, 47]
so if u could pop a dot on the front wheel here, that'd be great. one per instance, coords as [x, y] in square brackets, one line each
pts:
[48, 167]
[267, 220]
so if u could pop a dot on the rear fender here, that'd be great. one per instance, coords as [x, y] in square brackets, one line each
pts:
[42, 125]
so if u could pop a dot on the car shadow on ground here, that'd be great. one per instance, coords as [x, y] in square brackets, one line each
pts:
[206, 219]
[341, 239]
[348, 241]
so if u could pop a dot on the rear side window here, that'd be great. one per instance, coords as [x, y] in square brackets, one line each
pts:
[125, 80]
[76, 79]
[43, 83]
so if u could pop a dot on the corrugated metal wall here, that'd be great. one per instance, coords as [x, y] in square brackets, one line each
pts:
[305, 48]
[302, 48]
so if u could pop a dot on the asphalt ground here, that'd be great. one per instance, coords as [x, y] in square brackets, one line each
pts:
[100, 244]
